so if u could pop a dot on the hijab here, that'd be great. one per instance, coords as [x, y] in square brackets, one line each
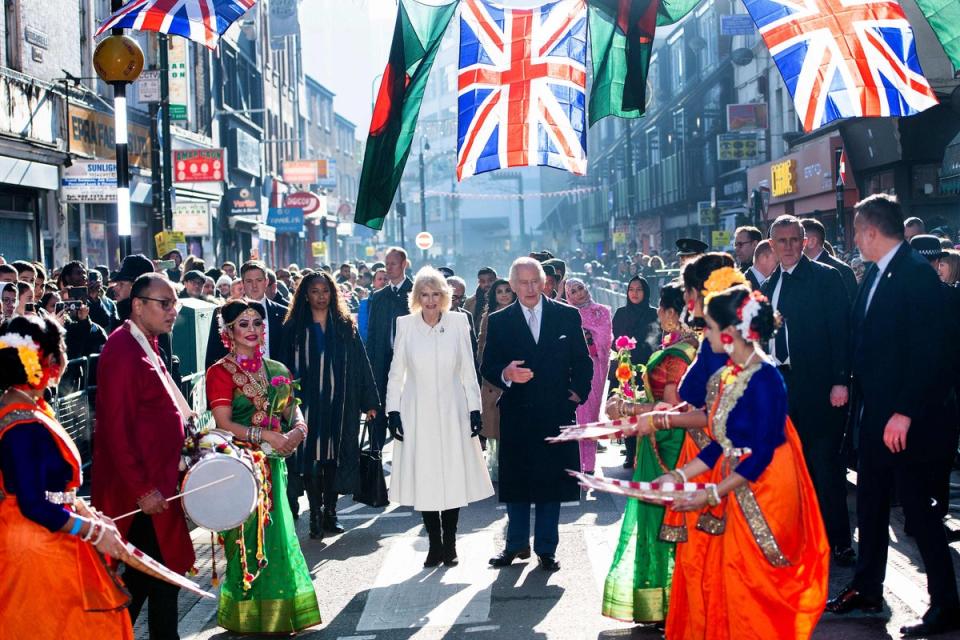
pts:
[570, 281]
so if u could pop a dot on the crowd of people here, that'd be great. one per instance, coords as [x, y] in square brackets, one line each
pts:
[766, 374]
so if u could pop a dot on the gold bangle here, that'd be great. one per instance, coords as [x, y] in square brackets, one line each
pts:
[650, 421]
[713, 495]
[666, 421]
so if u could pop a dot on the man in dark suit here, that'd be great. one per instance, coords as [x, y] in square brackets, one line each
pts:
[901, 384]
[764, 264]
[816, 251]
[745, 241]
[812, 353]
[254, 276]
[536, 352]
[386, 305]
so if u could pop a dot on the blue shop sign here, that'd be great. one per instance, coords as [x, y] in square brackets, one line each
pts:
[286, 219]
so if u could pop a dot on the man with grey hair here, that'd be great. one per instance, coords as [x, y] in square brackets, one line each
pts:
[811, 350]
[535, 351]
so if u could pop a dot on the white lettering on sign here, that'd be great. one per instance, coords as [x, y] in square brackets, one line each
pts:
[812, 170]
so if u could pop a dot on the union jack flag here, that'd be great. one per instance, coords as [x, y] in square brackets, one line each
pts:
[844, 58]
[202, 21]
[522, 87]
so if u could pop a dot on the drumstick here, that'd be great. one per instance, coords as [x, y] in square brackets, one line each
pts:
[179, 495]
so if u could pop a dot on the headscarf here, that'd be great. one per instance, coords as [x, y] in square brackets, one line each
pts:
[571, 281]
[639, 321]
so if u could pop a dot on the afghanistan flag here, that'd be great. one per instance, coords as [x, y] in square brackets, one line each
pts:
[944, 18]
[416, 39]
[621, 41]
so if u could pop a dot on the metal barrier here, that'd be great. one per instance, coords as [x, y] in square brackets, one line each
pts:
[73, 403]
[613, 293]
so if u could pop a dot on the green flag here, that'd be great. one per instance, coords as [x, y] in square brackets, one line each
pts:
[671, 11]
[944, 18]
[416, 39]
[621, 39]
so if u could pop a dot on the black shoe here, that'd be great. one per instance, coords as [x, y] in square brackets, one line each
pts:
[434, 556]
[628, 464]
[316, 531]
[548, 563]
[506, 558]
[844, 557]
[935, 621]
[852, 600]
[330, 522]
[450, 552]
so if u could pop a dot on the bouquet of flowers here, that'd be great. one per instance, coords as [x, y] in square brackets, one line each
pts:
[629, 375]
[285, 388]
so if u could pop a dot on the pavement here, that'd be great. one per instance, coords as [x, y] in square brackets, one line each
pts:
[371, 584]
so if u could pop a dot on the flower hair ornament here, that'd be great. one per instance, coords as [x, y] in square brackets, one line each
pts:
[749, 309]
[721, 280]
[29, 353]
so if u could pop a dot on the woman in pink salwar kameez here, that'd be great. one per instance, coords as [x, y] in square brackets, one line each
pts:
[598, 329]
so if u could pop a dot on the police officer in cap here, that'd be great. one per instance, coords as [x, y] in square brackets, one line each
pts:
[689, 248]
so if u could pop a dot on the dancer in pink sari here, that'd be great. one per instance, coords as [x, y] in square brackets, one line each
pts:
[598, 330]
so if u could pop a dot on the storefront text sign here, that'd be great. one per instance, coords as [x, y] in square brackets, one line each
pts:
[783, 178]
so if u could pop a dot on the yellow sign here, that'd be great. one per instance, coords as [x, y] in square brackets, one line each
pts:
[619, 237]
[167, 241]
[783, 178]
[720, 239]
[92, 133]
[371, 251]
[319, 249]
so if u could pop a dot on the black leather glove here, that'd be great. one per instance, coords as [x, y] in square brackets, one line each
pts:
[476, 424]
[395, 425]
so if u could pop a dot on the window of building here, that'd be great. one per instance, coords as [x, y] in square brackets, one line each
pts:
[926, 180]
[11, 14]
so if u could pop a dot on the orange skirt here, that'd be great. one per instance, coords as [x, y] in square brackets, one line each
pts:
[54, 585]
[765, 581]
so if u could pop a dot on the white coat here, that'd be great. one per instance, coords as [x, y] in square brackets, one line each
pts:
[433, 384]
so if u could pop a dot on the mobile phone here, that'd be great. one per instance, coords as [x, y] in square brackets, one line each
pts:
[166, 264]
[29, 307]
[79, 293]
[59, 307]
[72, 305]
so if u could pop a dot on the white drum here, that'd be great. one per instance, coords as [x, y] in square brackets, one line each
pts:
[228, 503]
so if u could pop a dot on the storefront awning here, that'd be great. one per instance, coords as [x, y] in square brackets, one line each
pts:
[247, 224]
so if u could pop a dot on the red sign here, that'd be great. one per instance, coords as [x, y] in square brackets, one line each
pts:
[302, 200]
[198, 165]
[300, 171]
[424, 240]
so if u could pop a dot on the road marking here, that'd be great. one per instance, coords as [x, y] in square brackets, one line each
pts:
[352, 508]
[601, 545]
[356, 637]
[575, 503]
[488, 627]
[364, 516]
[404, 595]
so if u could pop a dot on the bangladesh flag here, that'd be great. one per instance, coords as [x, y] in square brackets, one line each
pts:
[621, 39]
[944, 18]
[416, 39]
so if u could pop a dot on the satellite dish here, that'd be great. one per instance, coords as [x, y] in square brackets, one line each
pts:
[741, 57]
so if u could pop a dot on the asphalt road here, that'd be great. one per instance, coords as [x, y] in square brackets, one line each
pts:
[371, 584]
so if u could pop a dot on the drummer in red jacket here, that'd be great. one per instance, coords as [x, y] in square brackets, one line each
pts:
[136, 455]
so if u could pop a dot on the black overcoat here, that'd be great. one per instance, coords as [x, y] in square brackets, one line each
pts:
[531, 470]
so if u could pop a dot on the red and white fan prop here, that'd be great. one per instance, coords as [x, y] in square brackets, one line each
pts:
[654, 492]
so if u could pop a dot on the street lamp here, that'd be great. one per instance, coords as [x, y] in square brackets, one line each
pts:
[424, 146]
[118, 61]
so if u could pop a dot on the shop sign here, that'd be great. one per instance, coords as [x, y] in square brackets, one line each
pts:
[93, 134]
[247, 152]
[148, 86]
[736, 146]
[707, 214]
[720, 239]
[327, 174]
[300, 171]
[167, 241]
[783, 178]
[619, 237]
[192, 218]
[198, 165]
[746, 117]
[285, 219]
[90, 181]
[242, 201]
[319, 249]
[179, 84]
[302, 200]
[740, 24]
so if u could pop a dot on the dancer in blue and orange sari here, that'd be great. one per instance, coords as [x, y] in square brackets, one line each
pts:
[756, 560]
[637, 587]
[53, 583]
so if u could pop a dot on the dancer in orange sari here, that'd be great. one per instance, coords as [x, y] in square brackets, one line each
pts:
[52, 582]
[756, 561]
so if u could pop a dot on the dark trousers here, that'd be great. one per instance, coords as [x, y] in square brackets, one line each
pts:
[881, 473]
[160, 596]
[630, 443]
[321, 486]
[546, 528]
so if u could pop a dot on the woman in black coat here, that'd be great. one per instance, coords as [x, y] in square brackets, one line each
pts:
[324, 351]
[638, 320]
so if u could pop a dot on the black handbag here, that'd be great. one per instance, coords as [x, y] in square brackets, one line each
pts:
[371, 488]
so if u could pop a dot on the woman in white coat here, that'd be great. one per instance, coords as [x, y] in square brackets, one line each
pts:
[433, 412]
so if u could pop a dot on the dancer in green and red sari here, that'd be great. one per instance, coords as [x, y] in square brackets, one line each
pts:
[267, 586]
[637, 587]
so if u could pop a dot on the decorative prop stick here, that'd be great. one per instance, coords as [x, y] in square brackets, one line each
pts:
[179, 495]
[654, 492]
[140, 561]
[603, 430]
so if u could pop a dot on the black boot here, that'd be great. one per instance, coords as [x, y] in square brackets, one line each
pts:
[431, 521]
[316, 505]
[448, 524]
[330, 522]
